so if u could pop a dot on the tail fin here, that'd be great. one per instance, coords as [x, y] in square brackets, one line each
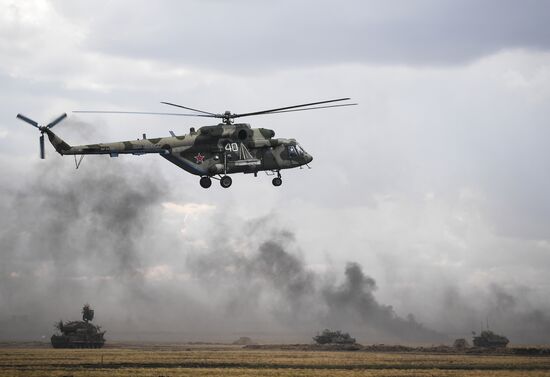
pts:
[58, 143]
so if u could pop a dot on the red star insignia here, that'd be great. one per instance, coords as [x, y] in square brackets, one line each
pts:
[199, 158]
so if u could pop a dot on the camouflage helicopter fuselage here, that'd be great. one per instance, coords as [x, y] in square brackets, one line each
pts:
[209, 151]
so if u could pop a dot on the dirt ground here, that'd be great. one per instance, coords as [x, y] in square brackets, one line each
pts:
[165, 359]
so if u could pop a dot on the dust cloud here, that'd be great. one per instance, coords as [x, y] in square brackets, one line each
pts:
[101, 237]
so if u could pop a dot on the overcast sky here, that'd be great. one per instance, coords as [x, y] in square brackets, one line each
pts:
[435, 186]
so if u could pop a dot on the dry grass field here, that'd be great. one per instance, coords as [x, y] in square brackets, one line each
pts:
[184, 360]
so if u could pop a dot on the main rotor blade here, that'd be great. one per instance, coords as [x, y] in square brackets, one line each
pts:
[42, 150]
[287, 107]
[188, 108]
[28, 120]
[138, 112]
[311, 108]
[57, 120]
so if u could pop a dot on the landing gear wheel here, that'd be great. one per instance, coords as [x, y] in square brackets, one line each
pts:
[205, 182]
[226, 181]
[277, 181]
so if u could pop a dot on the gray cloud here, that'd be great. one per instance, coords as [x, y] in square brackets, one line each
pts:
[272, 36]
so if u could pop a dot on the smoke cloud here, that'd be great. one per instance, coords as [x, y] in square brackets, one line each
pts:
[275, 285]
[103, 236]
[504, 310]
[64, 241]
[354, 301]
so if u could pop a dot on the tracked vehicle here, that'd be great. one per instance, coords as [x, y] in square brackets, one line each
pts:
[489, 339]
[79, 334]
[333, 337]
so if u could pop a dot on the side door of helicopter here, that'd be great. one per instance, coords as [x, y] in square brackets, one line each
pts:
[231, 151]
[228, 153]
[238, 159]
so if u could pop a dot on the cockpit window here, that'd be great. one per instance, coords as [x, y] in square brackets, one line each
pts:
[300, 150]
[292, 151]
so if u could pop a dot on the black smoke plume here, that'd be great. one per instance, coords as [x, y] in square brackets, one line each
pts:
[66, 241]
[100, 236]
[301, 299]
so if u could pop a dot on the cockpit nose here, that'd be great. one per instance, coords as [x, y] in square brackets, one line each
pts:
[304, 156]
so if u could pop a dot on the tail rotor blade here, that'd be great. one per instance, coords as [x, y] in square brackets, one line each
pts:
[42, 150]
[28, 120]
[57, 120]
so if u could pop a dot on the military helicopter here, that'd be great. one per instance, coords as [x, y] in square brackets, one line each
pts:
[211, 152]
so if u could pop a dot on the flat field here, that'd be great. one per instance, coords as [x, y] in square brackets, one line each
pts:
[173, 361]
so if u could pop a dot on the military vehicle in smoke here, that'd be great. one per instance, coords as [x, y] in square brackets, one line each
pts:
[461, 344]
[79, 334]
[333, 337]
[489, 339]
[243, 341]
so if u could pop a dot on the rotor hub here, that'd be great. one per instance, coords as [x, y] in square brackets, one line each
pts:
[227, 117]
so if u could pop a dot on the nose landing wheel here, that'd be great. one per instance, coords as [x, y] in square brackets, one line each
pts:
[205, 182]
[277, 181]
[226, 181]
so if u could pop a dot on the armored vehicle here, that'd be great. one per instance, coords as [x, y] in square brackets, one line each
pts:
[333, 337]
[488, 338]
[79, 334]
[461, 344]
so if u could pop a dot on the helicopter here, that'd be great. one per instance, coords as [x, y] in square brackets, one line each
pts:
[211, 152]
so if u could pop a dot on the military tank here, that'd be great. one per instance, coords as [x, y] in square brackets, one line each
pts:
[333, 337]
[79, 334]
[489, 339]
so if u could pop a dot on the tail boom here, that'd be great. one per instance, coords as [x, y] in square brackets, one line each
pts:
[125, 147]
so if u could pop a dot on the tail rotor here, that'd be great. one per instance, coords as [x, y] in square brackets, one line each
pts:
[42, 149]
[42, 129]
[56, 120]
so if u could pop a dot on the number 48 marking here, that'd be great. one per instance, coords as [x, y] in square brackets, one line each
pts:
[232, 147]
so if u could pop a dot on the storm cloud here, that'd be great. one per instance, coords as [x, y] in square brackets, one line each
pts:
[287, 34]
